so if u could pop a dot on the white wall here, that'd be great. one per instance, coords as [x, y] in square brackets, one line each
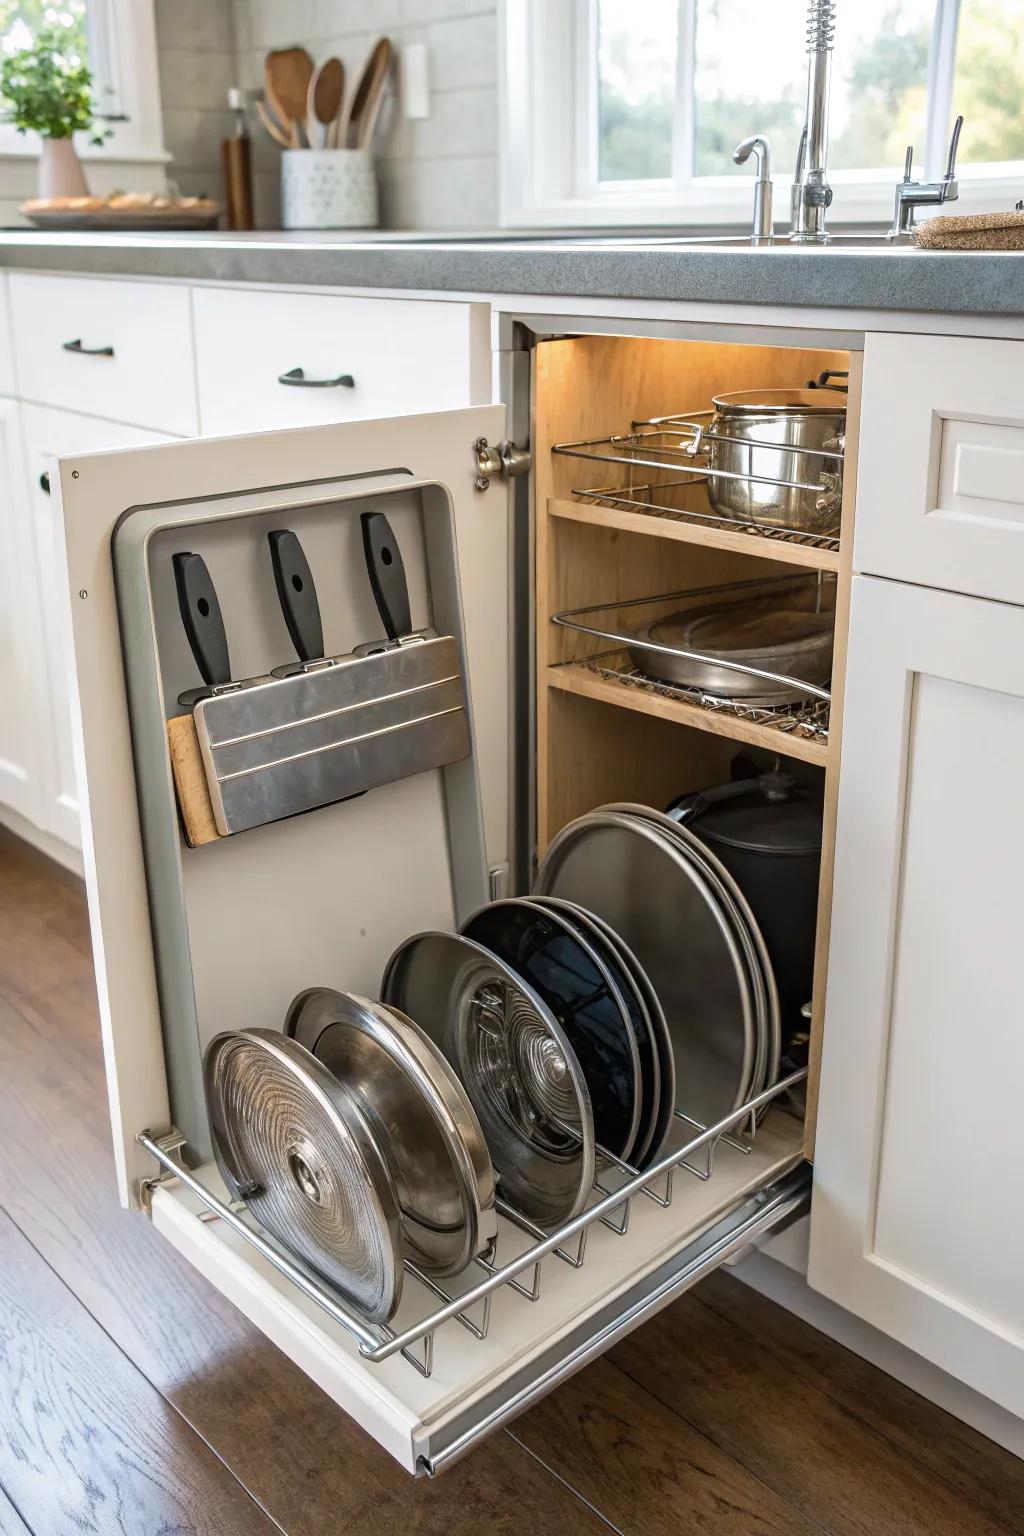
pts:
[437, 173]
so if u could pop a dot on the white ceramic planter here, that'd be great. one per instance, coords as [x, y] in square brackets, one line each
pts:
[60, 170]
[328, 189]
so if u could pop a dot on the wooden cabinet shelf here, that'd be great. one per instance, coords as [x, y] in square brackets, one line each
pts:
[580, 679]
[705, 535]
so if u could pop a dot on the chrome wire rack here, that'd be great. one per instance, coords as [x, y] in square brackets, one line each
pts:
[660, 500]
[808, 717]
[672, 445]
[808, 720]
[617, 1186]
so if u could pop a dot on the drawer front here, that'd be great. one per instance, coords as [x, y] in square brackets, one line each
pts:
[7, 374]
[400, 355]
[122, 351]
[940, 500]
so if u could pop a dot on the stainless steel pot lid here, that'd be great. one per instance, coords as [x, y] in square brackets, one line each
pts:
[634, 876]
[768, 1011]
[756, 632]
[657, 1071]
[438, 1156]
[561, 965]
[296, 1145]
[777, 402]
[513, 1060]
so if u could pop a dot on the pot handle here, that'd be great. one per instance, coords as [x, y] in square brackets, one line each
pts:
[772, 785]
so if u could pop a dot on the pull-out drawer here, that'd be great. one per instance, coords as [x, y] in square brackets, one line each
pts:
[479, 1367]
[280, 359]
[121, 350]
[940, 498]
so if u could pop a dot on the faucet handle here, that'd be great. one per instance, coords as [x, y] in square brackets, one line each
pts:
[953, 146]
[908, 166]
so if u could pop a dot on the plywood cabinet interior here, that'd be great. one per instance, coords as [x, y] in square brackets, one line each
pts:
[598, 740]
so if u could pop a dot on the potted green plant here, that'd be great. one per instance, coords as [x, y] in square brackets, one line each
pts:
[47, 88]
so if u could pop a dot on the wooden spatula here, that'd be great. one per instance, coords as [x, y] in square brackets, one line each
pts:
[287, 73]
[323, 102]
[357, 126]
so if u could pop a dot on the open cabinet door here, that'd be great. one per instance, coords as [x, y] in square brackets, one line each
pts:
[199, 495]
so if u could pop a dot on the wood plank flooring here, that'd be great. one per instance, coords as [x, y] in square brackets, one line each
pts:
[134, 1399]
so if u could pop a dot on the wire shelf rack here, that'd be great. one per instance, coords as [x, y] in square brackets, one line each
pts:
[807, 716]
[610, 1202]
[808, 720]
[659, 500]
[685, 447]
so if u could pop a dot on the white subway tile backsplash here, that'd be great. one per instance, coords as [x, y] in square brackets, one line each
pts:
[463, 52]
[436, 172]
[190, 79]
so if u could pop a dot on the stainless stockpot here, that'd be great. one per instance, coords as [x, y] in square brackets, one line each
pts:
[784, 446]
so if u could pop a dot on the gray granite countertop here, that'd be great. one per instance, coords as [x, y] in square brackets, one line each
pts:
[852, 274]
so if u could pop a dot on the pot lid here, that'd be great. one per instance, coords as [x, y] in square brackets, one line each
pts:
[751, 631]
[780, 402]
[777, 817]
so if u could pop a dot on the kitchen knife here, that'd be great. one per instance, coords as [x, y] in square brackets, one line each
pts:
[387, 575]
[296, 592]
[202, 618]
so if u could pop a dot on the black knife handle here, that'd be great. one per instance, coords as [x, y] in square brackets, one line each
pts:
[387, 574]
[201, 616]
[297, 594]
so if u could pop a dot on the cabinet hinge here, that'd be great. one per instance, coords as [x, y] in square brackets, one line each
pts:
[170, 1142]
[505, 460]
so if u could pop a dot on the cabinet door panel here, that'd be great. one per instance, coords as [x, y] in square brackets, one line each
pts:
[49, 435]
[940, 493]
[25, 703]
[918, 1217]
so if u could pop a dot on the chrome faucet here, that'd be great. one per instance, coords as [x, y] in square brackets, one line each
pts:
[756, 145]
[911, 194]
[811, 191]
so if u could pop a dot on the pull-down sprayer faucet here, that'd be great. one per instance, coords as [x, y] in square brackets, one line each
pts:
[811, 191]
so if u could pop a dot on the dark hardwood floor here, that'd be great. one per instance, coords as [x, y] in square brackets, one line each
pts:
[134, 1399]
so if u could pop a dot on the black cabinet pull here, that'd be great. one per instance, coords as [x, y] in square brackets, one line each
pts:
[44, 481]
[297, 377]
[76, 346]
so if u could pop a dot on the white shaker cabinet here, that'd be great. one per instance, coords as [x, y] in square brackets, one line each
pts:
[22, 661]
[51, 434]
[918, 1212]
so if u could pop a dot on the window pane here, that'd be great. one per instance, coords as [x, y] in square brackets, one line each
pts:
[20, 20]
[880, 84]
[989, 82]
[636, 87]
[751, 77]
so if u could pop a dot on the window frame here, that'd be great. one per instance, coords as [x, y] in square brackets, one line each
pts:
[123, 58]
[547, 146]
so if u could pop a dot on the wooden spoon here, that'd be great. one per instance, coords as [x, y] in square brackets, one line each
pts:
[323, 100]
[287, 74]
[274, 128]
[358, 124]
